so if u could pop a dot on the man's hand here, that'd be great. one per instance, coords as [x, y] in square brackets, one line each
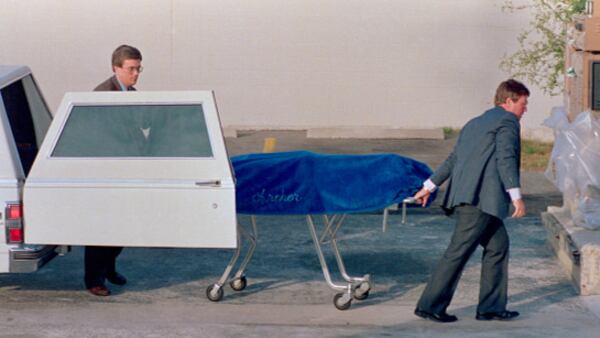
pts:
[422, 196]
[519, 208]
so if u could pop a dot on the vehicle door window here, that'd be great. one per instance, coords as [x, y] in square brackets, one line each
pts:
[28, 117]
[134, 131]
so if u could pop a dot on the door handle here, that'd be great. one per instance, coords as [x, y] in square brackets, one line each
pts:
[212, 183]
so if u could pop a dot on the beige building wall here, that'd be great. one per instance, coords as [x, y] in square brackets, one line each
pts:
[279, 64]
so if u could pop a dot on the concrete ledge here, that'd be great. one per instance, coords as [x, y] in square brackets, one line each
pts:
[233, 131]
[577, 249]
[375, 133]
[230, 132]
[345, 132]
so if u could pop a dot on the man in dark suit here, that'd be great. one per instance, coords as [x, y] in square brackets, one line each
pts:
[126, 66]
[100, 262]
[483, 178]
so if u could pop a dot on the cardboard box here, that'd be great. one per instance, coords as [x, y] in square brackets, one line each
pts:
[587, 33]
[578, 81]
[595, 8]
[573, 82]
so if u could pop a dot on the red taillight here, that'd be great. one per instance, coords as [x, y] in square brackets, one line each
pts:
[15, 235]
[14, 212]
[14, 222]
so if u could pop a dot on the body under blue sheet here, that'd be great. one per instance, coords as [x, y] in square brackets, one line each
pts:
[303, 182]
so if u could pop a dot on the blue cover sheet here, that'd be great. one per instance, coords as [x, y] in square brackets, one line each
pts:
[302, 182]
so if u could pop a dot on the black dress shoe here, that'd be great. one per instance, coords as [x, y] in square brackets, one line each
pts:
[504, 315]
[436, 317]
[117, 279]
[102, 291]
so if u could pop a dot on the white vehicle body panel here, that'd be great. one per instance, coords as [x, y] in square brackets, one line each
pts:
[160, 201]
[128, 215]
[9, 192]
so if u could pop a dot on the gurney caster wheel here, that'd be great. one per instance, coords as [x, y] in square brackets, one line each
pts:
[238, 284]
[214, 293]
[342, 301]
[362, 291]
[361, 295]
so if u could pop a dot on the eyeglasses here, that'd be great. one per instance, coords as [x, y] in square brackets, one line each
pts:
[133, 69]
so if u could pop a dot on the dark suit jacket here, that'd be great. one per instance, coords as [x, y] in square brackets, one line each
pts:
[485, 163]
[111, 84]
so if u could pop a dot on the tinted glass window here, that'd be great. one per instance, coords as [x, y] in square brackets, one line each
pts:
[28, 117]
[134, 131]
[39, 111]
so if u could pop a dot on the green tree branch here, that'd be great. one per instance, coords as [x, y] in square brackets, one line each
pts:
[540, 57]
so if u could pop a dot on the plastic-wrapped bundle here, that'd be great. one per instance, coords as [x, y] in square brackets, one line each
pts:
[575, 165]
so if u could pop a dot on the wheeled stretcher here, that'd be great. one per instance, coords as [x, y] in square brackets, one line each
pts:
[329, 186]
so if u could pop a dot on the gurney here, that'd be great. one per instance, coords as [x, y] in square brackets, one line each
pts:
[311, 184]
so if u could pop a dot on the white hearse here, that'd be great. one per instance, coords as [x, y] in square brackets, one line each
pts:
[24, 120]
[146, 169]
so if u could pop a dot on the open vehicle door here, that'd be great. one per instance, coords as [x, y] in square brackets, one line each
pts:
[146, 169]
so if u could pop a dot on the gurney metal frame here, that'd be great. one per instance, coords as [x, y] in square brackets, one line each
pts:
[354, 287]
[357, 287]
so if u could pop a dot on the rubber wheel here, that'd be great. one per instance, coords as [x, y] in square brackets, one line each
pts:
[238, 284]
[361, 296]
[362, 291]
[214, 297]
[339, 304]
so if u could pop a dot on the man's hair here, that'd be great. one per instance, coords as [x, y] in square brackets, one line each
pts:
[510, 89]
[125, 52]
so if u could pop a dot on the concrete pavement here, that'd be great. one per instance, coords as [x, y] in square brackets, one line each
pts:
[286, 293]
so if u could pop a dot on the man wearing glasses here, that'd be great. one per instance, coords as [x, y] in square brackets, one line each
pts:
[100, 262]
[127, 66]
